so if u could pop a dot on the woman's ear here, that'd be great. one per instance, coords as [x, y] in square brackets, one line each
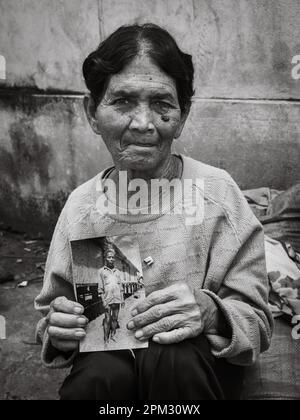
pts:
[183, 118]
[90, 111]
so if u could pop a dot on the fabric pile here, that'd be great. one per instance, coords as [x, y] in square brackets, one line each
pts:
[279, 212]
[283, 266]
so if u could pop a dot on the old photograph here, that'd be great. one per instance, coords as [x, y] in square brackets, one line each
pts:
[108, 284]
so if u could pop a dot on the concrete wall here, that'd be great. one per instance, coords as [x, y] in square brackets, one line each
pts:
[245, 116]
[46, 150]
[241, 48]
[45, 41]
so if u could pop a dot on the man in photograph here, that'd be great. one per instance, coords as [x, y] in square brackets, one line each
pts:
[111, 290]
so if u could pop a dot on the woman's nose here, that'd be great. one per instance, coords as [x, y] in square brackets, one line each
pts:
[142, 119]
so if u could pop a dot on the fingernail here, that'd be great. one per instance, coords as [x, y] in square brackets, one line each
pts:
[78, 310]
[82, 321]
[134, 312]
[139, 334]
[130, 325]
[156, 339]
[80, 334]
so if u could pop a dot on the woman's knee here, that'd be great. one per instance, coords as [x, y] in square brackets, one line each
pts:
[100, 375]
[179, 356]
[184, 370]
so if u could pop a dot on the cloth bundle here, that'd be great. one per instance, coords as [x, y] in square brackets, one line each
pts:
[284, 277]
[279, 212]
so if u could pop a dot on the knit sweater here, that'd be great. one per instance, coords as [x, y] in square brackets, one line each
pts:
[222, 254]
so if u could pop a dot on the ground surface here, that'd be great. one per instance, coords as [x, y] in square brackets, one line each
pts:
[22, 375]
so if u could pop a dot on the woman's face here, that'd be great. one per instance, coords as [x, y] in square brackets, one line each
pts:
[139, 116]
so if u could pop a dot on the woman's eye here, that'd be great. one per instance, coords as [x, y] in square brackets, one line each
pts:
[122, 101]
[161, 106]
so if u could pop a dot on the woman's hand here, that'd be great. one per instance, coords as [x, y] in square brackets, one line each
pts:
[171, 315]
[66, 324]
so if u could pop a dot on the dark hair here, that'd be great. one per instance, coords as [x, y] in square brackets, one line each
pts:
[123, 45]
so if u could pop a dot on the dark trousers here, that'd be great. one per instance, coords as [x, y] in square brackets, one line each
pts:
[183, 371]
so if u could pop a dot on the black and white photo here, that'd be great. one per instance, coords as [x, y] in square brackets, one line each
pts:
[108, 284]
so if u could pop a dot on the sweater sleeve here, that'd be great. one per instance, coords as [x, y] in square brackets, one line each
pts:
[237, 266]
[57, 282]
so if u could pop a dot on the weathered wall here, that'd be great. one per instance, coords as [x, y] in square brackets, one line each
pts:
[245, 115]
[241, 48]
[45, 41]
[46, 150]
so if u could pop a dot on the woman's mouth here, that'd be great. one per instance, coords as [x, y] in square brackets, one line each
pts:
[143, 144]
[140, 144]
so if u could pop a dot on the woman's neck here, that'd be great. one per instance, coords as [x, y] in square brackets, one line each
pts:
[171, 168]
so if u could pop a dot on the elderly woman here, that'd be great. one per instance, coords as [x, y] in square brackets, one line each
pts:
[206, 313]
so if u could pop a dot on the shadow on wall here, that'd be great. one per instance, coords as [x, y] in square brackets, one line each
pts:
[46, 150]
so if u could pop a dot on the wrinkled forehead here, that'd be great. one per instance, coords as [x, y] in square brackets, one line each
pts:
[142, 72]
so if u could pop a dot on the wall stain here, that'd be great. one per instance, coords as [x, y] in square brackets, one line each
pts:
[28, 163]
[33, 214]
[281, 59]
[31, 154]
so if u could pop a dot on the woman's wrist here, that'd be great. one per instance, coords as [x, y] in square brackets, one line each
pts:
[214, 322]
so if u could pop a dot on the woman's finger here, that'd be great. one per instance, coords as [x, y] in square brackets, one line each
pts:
[155, 298]
[166, 324]
[155, 313]
[62, 304]
[66, 333]
[174, 336]
[60, 319]
[64, 346]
